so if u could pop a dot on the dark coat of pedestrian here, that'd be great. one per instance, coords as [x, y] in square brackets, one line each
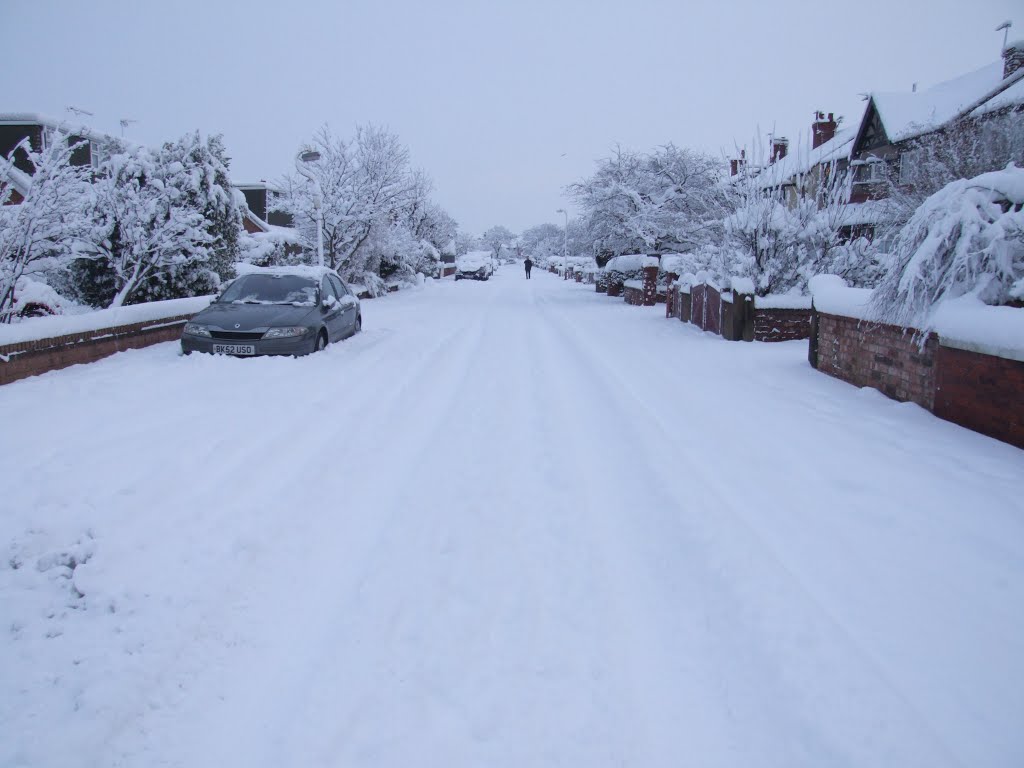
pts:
[529, 265]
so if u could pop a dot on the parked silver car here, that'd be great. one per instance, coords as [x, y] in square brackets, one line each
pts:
[276, 311]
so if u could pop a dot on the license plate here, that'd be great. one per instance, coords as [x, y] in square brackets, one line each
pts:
[234, 349]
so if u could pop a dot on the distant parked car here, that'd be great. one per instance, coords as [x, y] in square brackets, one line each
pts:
[475, 265]
[276, 311]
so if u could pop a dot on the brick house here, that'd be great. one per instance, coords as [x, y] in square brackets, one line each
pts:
[897, 128]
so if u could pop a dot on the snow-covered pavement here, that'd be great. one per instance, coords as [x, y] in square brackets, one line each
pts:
[511, 523]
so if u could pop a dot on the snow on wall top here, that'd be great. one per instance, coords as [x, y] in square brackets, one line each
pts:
[906, 115]
[742, 284]
[626, 263]
[66, 325]
[782, 301]
[967, 323]
[834, 297]
[964, 322]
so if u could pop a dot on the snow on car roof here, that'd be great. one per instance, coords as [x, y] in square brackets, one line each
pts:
[300, 270]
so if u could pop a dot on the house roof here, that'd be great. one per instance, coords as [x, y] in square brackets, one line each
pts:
[801, 161]
[34, 118]
[907, 115]
[255, 185]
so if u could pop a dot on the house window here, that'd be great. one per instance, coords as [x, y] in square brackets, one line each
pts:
[870, 171]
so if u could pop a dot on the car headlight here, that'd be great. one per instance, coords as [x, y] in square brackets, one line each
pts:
[286, 332]
[194, 329]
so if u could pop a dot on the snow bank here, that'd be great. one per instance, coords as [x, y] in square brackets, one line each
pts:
[66, 325]
[638, 284]
[832, 296]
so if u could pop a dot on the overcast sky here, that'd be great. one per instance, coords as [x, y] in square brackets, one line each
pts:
[503, 103]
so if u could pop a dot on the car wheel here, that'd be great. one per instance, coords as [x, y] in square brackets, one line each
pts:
[359, 324]
[321, 342]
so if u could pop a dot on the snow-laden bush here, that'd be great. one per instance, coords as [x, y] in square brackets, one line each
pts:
[967, 238]
[619, 269]
[40, 232]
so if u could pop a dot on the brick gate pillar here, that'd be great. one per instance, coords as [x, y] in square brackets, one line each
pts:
[650, 291]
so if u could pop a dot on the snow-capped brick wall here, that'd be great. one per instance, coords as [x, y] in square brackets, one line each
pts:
[887, 357]
[781, 324]
[643, 293]
[976, 390]
[981, 392]
[31, 358]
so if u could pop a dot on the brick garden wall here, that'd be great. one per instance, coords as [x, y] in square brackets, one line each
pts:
[633, 296]
[976, 390]
[886, 357]
[30, 358]
[781, 324]
[982, 392]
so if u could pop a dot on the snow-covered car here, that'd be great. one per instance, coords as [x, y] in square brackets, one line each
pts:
[276, 311]
[475, 265]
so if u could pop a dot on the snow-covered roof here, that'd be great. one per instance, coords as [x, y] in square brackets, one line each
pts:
[33, 118]
[255, 185]
[1010, 97]
[801, 160]
[907, 115]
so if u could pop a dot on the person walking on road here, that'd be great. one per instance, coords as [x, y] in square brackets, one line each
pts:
[529, 265]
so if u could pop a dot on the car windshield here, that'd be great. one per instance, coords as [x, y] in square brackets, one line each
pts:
[271, 289]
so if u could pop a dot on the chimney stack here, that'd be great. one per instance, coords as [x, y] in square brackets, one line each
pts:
[822, 130]
[1013, 58]
[780, 147]
[737, 164]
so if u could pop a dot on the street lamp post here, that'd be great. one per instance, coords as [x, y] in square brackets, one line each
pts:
[565, 245]
[304, 157]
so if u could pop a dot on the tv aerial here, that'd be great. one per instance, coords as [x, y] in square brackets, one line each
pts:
[79, 112]
[1005, 29]
[125, 122]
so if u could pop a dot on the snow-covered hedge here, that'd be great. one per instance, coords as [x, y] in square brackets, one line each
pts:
[619, 269]
[966, 239]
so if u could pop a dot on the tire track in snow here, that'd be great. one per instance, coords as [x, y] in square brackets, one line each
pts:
[766, 639]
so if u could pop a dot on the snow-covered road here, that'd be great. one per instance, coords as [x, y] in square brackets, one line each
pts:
[512, 523]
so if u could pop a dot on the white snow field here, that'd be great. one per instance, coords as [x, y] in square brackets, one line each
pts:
[512, 523]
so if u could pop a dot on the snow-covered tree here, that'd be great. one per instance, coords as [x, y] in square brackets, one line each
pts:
[667, 201]
[204, 186]
[497, 238]
[166, 222]
[365, 182]
[967, 238]
[542, 243]
[42, 231]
